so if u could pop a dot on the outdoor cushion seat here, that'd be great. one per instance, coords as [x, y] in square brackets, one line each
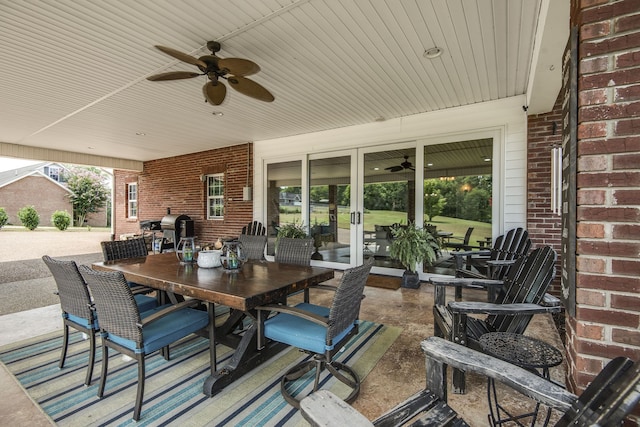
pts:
[320, 331]
[166, 330]
[77, 306]
[302, 333]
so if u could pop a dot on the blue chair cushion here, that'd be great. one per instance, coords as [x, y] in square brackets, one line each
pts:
[81, 321]
[145, 303]
[166, 330]
[301, 333]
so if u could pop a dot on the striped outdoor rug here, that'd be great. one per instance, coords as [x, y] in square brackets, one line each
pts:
[173, 389]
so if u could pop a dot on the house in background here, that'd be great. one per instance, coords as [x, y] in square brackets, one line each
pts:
[43, 186]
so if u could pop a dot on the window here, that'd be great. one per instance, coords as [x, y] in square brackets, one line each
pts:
[215, 196]
[132, 200]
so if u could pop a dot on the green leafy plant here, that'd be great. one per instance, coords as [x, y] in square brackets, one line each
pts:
[412, 245]
[4, 218]
[29, 217]
[61, 220]
[293, 230]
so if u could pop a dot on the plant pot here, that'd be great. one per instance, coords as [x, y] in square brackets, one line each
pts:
[410, 280]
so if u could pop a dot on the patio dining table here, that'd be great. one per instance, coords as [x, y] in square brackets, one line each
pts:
[256, 283]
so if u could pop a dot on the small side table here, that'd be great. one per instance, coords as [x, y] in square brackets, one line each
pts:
[528, 353]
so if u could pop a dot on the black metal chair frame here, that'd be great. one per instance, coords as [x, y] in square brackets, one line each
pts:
[458, 246]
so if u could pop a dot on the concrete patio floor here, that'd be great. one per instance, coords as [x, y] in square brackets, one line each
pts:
[399, 373]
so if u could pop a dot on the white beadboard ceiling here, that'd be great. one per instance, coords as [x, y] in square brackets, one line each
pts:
[73, 73]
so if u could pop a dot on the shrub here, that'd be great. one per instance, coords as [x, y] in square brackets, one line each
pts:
[3, 217]
[29, 217]
[61, 220]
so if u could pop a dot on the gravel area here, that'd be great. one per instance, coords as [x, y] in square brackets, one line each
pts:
[25, 281]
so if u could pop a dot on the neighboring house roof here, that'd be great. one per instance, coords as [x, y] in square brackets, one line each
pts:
[11, 176]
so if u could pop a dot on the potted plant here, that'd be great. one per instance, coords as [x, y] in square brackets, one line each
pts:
[412, 245]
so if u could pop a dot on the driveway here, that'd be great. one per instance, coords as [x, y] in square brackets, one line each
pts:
[25, 281]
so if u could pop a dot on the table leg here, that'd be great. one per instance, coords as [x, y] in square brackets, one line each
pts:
[244, 359]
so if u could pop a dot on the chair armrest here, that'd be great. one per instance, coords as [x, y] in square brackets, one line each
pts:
[303, 314]
[135, 290]
[550, 301]
[325, 409]
[439, 350]
[170, 309]
[464, 282]
[503, 309]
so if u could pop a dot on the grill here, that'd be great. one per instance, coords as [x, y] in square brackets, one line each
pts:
[174, 227]
[150, 225]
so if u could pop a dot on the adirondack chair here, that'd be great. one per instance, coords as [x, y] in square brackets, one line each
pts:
[464, 244]
[254, 228]
[610, 397]
[493, 263]
[521, 295]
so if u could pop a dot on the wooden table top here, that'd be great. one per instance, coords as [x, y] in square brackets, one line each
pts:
[256, 283]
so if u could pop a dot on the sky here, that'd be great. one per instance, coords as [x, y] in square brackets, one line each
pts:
[8, 163]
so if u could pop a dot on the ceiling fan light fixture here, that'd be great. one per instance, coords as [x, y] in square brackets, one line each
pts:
[433, 52]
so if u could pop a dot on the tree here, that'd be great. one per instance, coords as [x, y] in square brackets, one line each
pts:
[89, 192]
[434, 204]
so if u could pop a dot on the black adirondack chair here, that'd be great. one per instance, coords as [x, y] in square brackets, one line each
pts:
[254, 228]
[522, 294]
[610, 397]
[495, 262]
[463, 244]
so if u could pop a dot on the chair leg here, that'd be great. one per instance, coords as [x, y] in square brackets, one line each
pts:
[140, 393]
[65, 343]
[92, 357]
[105, 366]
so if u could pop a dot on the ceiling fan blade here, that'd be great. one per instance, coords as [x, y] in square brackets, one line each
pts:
[238, 66]
[394, 168]
[214, 92]
[182, 56]
[173, 75]
[250, 88]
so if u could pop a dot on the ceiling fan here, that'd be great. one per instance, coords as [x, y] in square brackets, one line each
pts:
[402, 166]
[233, 70]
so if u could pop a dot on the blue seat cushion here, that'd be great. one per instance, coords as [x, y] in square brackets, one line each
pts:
[165, 330]
[145, 303]
[81, 321]
[302, 333]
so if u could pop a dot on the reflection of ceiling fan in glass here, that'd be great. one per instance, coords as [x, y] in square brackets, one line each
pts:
[233, 70]
[402, 166]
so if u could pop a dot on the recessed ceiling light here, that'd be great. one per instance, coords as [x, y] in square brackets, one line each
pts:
[376, 169]
[487, 159]
[218, 113]
[432, 53]
[429, 164]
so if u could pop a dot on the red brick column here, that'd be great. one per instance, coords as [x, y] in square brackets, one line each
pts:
[608, 188]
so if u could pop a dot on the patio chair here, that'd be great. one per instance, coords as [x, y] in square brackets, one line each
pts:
[77, 308]
[319, 331]
[522, 295]
[253, 246]
[294, 251]
[608, 399]
[493, 263]
[126, 330]
[254, 228]
[114, 250]
[463, 244]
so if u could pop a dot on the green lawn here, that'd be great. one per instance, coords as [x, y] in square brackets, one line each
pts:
[457, 226]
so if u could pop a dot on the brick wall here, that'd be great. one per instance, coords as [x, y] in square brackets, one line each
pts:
[608, 184]
[175, 183]
[37, 191]
[545, 228]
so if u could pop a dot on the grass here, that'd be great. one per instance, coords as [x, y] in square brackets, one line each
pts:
[371, 218]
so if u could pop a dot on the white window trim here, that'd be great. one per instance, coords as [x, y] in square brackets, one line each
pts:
[130, 201]
[219, 197]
